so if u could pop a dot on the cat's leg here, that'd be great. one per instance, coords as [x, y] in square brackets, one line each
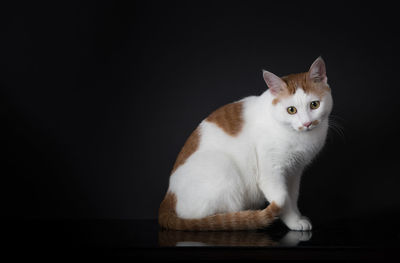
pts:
[293, 182]
[208, 183]
[296, 219]
[274, 184]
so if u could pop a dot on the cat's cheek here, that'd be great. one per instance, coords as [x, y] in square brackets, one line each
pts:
[295, 126]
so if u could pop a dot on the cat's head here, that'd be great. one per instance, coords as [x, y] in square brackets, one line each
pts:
[301, 101]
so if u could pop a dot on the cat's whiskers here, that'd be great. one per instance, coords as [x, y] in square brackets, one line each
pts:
[336, 126]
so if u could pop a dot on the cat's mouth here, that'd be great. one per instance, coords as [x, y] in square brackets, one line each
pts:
[304, 129]
[309, 127]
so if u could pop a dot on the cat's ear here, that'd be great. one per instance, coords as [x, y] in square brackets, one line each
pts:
[274, 83]
[317, 71]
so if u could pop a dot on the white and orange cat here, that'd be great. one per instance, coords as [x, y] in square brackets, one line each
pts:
[248, 152]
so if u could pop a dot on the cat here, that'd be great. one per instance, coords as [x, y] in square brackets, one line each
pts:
[248, 153]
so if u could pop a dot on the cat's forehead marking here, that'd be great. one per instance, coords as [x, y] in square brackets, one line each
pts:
[229, 118]
[300, 81]
[300, 96]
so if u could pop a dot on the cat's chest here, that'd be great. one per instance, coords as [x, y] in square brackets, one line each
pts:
[293, 152]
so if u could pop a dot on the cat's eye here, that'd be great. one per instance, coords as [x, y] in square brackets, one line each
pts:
[291, 110]
[314, 104]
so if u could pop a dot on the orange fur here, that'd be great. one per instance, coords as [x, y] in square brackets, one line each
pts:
[190, 146]
[301, 80]
[242, 220]
[315, 122]
[228, 117]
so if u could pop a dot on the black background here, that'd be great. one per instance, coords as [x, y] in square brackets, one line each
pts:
[98, 98]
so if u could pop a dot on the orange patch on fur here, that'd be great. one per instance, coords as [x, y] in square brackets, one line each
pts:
[229, 118]
[275, 101]
[242, 220]
[274, 209]
[315, 122]
[167, 209]
[301, 80]
[190, 146]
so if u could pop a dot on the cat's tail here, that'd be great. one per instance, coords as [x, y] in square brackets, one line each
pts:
[243, 220]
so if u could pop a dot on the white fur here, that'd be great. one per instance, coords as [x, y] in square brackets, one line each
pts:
[263, 162]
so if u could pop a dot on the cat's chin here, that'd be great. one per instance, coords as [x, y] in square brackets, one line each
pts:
[304, 129]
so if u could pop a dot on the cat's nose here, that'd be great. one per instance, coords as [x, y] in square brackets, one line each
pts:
[307, 124]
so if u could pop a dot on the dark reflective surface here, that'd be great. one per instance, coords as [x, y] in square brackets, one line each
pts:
[184, 238]
[373, 238]
[265, 238]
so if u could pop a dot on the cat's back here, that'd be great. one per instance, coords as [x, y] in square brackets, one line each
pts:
[213, 168]
[229, 118]
[223, 130]
[227, 127]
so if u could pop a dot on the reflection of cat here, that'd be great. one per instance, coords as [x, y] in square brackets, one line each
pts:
[220, 238]
[171, 238]
[248, 152]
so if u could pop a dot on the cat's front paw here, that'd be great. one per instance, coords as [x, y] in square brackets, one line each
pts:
[299, 224]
